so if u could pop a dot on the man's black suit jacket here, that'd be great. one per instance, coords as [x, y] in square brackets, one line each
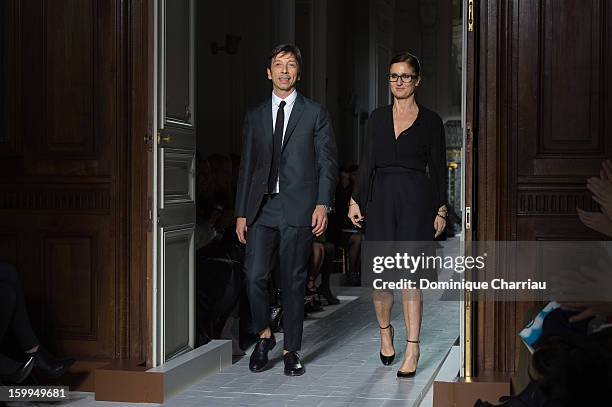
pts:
[308, 167]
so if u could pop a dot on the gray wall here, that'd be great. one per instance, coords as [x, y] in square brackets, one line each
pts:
[339, 55]
[229, 84]
[347, 73]
[425, 28]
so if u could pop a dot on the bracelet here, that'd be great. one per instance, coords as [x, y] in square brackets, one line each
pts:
[442, 216]
[352, 204]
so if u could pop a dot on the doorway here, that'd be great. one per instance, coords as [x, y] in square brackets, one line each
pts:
[342, 63]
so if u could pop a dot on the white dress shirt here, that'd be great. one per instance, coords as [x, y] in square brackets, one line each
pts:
[289, 102]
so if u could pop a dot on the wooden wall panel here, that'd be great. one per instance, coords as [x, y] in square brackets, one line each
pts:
[70, 280]
[3, 74]
[571, 73]
[10, 67]
[69, 66]
[69, 56]
[561, 68]
[67, 263]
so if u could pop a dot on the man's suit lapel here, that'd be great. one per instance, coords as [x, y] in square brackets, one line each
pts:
[296, 113]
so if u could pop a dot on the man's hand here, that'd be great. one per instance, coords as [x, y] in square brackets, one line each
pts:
[241, 229]
[319, 220]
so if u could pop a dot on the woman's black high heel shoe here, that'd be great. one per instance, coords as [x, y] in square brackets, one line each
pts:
[387, 360]
[408, 374]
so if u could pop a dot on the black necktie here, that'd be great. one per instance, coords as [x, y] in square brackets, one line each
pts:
[277, 144]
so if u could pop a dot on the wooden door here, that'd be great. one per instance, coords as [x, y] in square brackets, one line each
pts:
[72, 159]
[543, 127]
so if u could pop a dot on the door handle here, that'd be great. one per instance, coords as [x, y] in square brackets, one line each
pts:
[165, 139]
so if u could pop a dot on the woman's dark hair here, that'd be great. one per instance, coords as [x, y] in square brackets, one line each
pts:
[408, 58]
[287, 49]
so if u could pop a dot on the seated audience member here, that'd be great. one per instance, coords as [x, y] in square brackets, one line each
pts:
[566, 370]
[344, 190]
[572, 360]
[311, 304]
[222, 192]
[354, 250]
[219, 256]
[14, 321]
[601, 188]
[324, 289]
[12, 371]
[342, 233]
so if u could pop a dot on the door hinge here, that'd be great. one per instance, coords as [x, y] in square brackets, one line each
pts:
[469, 132]
[470, 15]
[148, 140]
[468, 218]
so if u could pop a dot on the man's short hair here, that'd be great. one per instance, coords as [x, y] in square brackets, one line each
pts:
[287, 49]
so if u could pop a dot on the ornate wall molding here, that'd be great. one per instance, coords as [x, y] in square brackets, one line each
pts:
[93, 200]
[541, 202]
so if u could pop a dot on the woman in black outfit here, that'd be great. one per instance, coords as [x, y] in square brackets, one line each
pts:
[402, 186]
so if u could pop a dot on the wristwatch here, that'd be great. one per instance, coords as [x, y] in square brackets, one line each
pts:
[328, 209]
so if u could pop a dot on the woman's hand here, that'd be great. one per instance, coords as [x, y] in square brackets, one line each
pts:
[588, 310]
[354, 214]
[602, 193]
[596, 221]
[440, 221]
[439, 225]
[606, 171]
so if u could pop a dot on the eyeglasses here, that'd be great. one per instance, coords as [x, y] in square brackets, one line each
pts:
[393, 77]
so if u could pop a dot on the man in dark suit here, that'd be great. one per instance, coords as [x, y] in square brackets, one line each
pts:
[285, 190]
[14, 320]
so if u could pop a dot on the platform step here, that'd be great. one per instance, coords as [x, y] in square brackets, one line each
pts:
[136, 384]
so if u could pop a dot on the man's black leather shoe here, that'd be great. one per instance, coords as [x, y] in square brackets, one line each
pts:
[293, 364]
[51, 365]
[259, 357]
[20, 374]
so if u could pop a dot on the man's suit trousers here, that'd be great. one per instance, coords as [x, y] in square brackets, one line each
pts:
[14, 318]
[267, 236]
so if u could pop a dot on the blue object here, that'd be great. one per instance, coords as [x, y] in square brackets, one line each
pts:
[532, 332]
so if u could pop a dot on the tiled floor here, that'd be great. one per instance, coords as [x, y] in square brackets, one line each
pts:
[340, 353]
